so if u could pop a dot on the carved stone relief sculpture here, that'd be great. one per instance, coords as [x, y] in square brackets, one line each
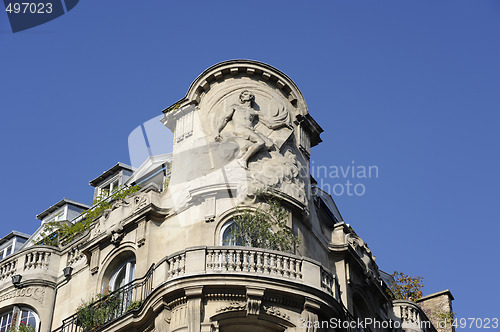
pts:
[242, 143]
[261, 138]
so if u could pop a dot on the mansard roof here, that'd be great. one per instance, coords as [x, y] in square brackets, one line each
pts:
[109, 172]
[59, 205]
[12, 235]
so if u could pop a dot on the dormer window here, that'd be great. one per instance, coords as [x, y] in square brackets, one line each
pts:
[111, 180]
[109, 188]
[6, 252]
[65, 209]
[57, 216]
[11, 243]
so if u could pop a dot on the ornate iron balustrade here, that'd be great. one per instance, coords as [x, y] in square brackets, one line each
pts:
[110, 307]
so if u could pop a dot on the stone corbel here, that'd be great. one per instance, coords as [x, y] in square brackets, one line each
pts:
[209, 208]
[94, 260]
[309, 314]
[162, 321]
[140, 236]
[116, 237]
[254, 300]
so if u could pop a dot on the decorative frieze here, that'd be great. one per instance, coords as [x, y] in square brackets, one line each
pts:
[274, 311]
[36, 293]
[140, 202]
[233, 306]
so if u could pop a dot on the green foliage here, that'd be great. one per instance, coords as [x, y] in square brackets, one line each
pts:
[166, 182]
[445, 318]
[56, 233]
[266, 229]
[104, 202]
[406, 287]
[98, 311]
[22, 328]
[134, 305]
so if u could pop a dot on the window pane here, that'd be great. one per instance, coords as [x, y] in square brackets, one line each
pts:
[5, 321]
[132, 271]
[120, 279]
[32, 321]
[123, 275]
[227, 238]
[28, 318]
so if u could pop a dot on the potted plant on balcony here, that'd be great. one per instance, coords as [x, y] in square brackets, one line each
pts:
[98, 311]
[23, 327]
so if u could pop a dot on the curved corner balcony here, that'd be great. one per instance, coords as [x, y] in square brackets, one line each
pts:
[34, 263]
[231, 266]
[413, 318]
[251, 262]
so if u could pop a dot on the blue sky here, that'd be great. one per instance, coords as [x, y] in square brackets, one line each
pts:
[409, 86]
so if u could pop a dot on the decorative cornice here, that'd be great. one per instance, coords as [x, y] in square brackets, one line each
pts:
[235, 68]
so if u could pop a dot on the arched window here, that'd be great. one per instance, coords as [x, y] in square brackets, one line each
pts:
[123, 275]
[19, 316]
[226, 236]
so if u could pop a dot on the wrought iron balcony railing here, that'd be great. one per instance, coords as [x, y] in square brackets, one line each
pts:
[110, 307]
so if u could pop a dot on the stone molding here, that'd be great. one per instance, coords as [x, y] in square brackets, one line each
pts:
[36, 293]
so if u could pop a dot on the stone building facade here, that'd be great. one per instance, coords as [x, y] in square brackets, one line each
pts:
[162, 257]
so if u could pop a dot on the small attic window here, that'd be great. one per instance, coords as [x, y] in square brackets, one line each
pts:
[7, 251]
[110, 187]
[59, 215]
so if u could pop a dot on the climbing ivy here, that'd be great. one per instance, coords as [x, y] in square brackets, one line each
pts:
[56, 233]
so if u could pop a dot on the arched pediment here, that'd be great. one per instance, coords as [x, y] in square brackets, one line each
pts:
[264, 76]
[233, 68]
